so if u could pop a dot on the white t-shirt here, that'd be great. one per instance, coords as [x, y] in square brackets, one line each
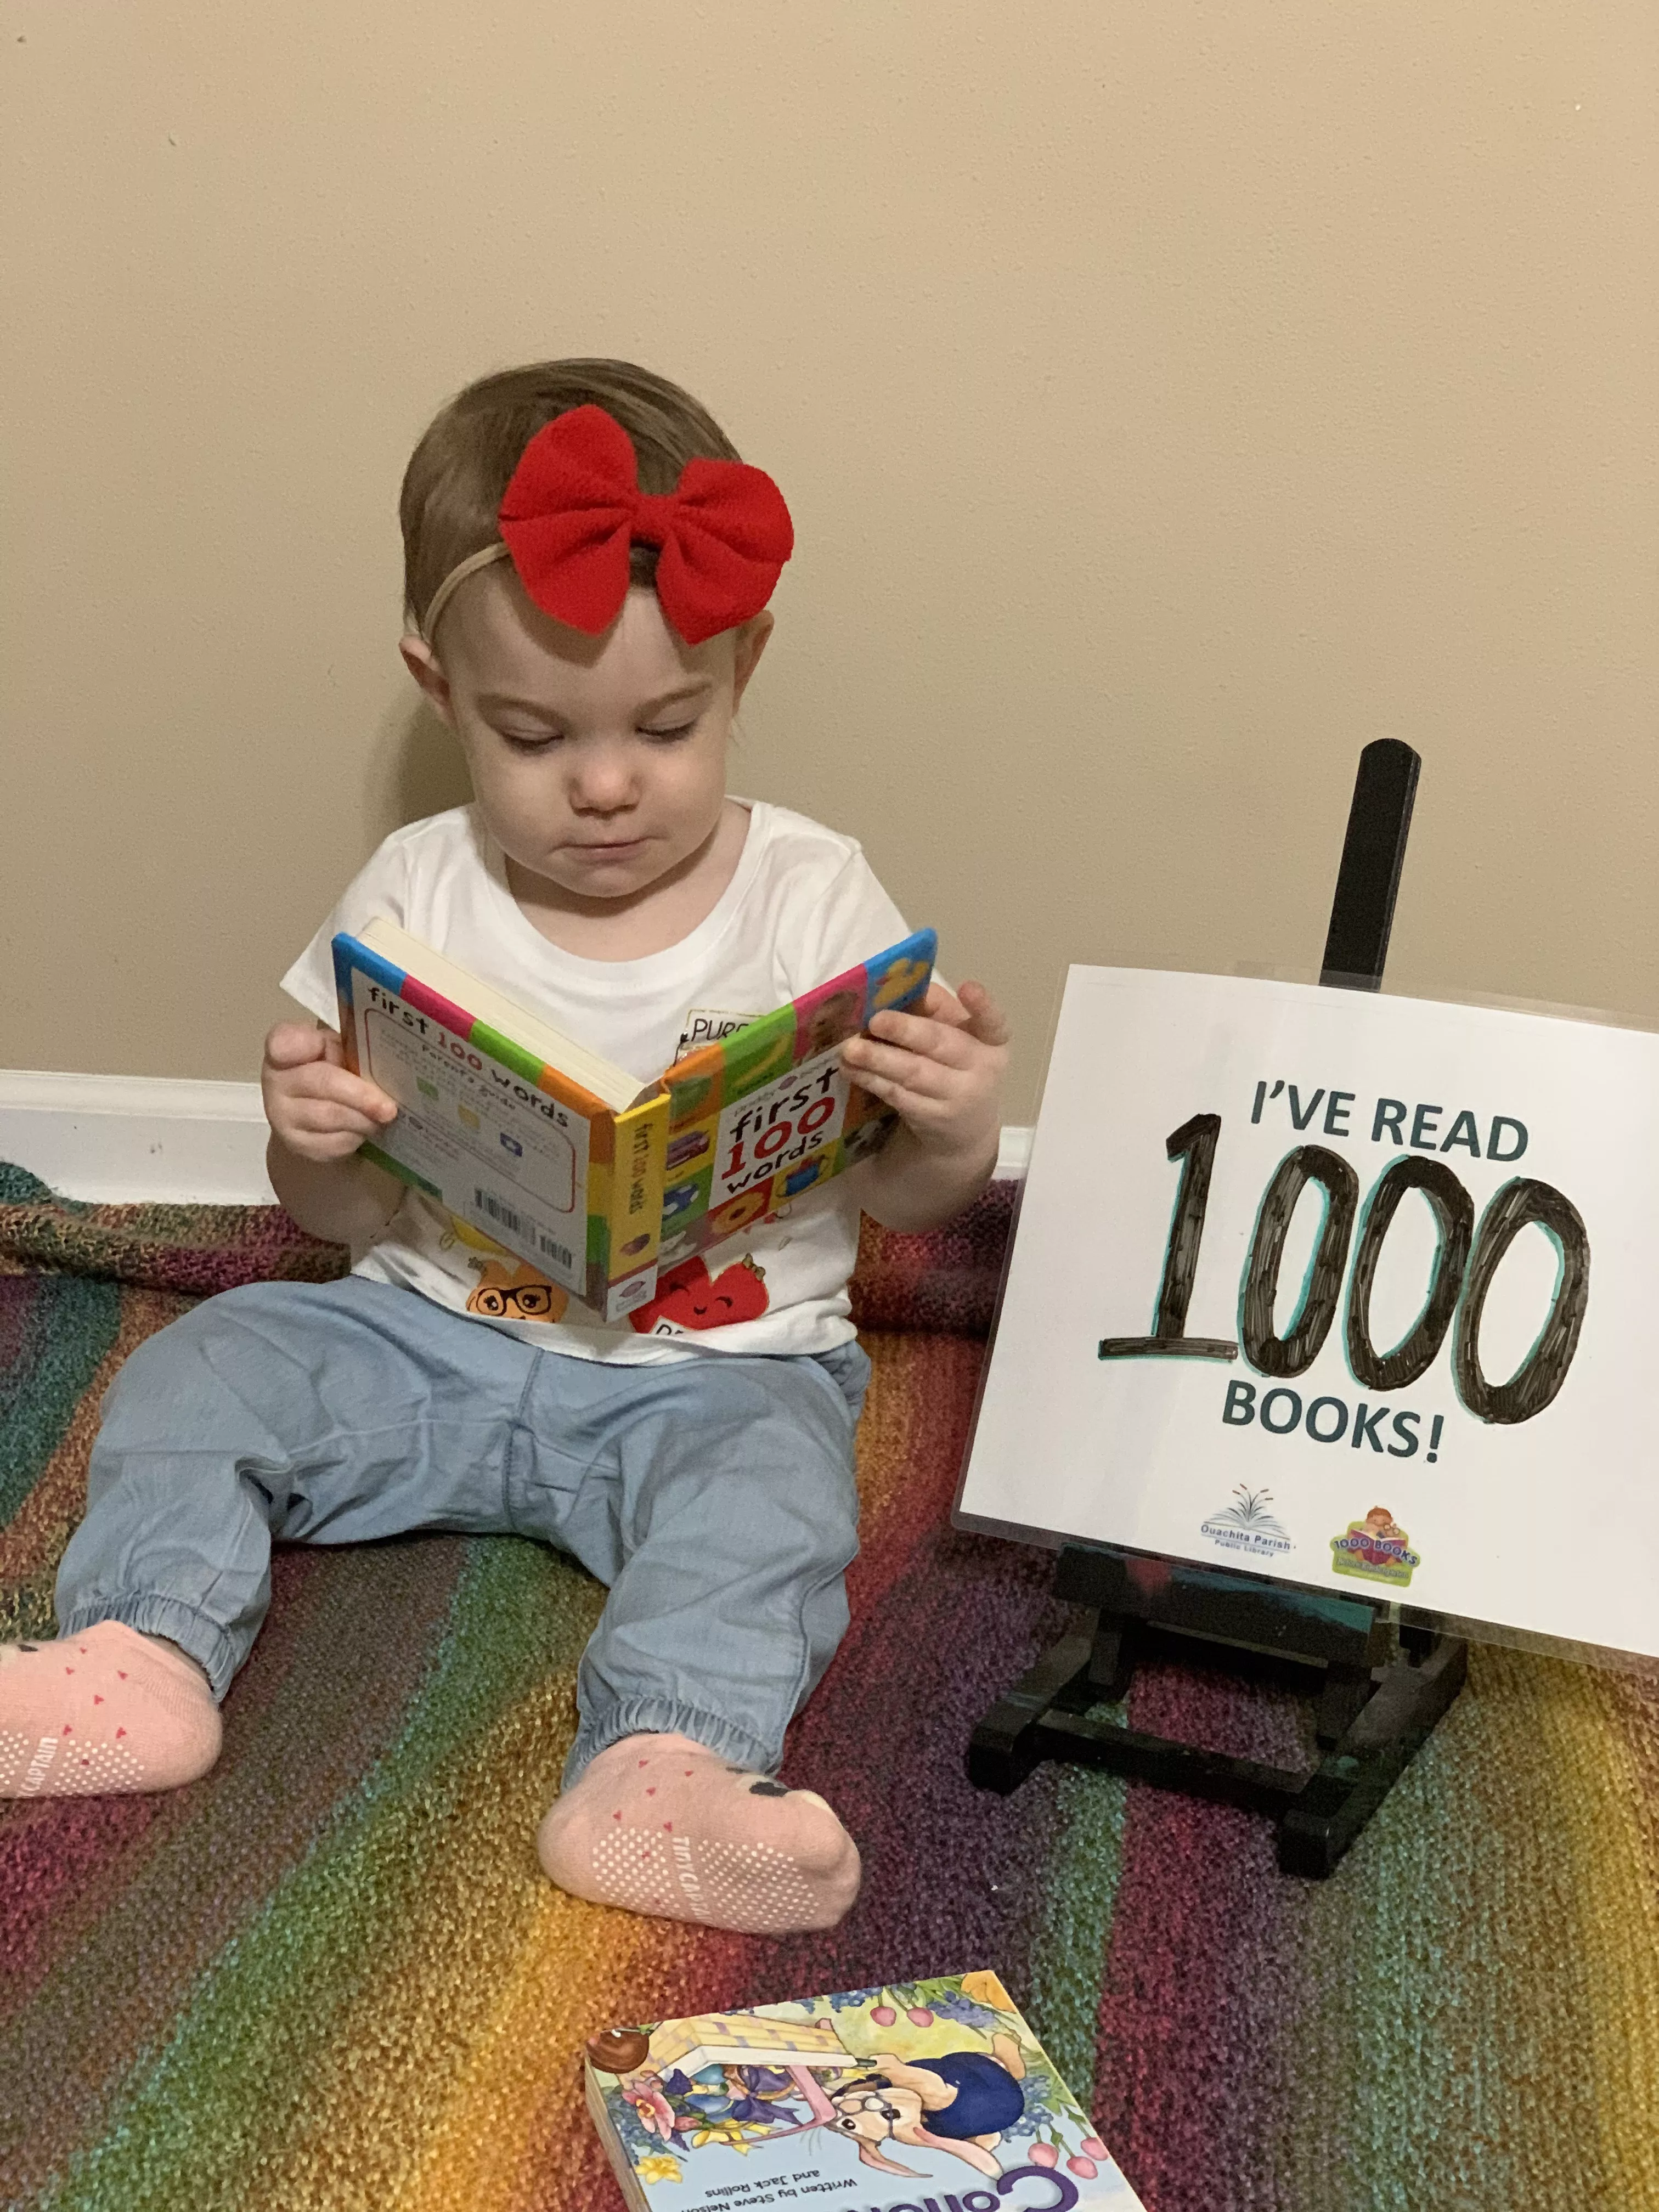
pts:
[803, 906]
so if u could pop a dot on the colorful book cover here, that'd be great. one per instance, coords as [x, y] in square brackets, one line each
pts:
[603, 1202]
[504, 1141]
[766, 1114]
[932, 2097]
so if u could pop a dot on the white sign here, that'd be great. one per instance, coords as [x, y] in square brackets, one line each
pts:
[1350, 1292]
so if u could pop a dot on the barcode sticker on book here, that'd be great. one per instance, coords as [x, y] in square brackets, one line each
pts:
[508, 1217]
[498, 1209]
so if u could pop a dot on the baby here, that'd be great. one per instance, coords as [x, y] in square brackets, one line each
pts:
[587, 568]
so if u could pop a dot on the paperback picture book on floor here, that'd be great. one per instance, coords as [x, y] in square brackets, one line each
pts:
[595, 1178]
[930, 2097]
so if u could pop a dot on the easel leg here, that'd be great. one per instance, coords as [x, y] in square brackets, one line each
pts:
[1105, 1680]
[1004, 1751]
[1345, 1690]
[1391, 1727]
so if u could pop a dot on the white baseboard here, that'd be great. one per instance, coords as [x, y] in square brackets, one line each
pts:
[129, 1139]
[126, 1139]
[1014, 1151]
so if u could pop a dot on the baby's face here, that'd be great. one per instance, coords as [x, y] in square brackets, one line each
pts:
[599, 764]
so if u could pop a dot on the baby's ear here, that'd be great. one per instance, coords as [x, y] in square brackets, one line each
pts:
[422, 665]
[750, 640]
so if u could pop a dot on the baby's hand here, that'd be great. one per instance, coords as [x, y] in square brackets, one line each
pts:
[941, 1068]
[314, 1104]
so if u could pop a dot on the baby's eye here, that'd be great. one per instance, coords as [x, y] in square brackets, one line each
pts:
[668, 736]
[519, 744]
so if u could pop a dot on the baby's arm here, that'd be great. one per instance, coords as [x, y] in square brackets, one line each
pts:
[319, 1113]
[942, 1069]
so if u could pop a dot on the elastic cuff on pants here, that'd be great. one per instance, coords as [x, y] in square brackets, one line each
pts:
[192, 1631]
[662, 1717]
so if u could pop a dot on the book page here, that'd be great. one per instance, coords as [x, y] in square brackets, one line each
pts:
[493, 1149]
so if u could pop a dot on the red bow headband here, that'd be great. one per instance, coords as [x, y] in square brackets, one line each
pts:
[574, 508]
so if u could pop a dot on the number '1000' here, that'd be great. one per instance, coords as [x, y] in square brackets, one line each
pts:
[1465, 1263]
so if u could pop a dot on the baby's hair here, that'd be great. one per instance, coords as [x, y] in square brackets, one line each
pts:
[458, 474]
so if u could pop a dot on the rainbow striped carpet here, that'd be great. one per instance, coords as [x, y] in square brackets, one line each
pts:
[330, 1975]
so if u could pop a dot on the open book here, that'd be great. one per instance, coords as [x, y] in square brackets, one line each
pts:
[569, 1161]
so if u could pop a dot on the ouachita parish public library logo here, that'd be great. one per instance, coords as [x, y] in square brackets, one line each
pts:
[1247, 1526]
[1375, 1547]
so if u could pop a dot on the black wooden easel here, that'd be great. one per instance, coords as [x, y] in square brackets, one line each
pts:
[1380, 1686]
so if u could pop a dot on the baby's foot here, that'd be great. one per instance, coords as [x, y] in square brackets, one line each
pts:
[659, 1824]
[101, 1714]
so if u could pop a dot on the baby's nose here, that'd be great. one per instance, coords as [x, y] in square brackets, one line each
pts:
[600, 787]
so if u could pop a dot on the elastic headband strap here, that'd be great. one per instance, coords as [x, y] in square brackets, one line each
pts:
[483, 558]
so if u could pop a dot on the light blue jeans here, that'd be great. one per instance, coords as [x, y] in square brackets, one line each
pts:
[713, 1495]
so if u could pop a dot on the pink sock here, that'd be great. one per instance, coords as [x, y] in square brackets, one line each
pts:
[102, 1713]
[659, 1824]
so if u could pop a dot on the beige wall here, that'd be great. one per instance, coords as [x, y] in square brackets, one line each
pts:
[1171, 398]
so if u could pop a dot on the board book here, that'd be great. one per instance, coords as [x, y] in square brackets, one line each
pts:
[569, 1161]
[935, 2094]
